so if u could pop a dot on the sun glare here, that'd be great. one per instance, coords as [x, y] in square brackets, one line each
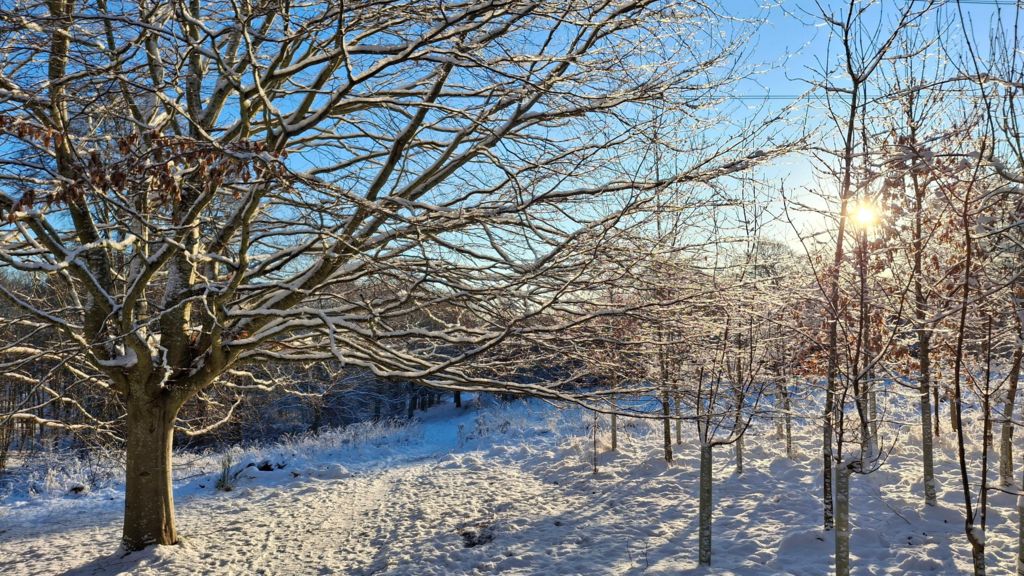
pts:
[865, 215]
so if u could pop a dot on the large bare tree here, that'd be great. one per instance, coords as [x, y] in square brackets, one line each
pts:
[193, 187]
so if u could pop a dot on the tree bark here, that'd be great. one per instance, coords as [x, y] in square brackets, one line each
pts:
[1020, 533]
[953, 417]
[666, 424]
[679, 416]
[704, 535]
[1006, 433]
[842, 519]
[615, 424]
[739, 455]
[927, 443]
[780, 431]
[787, 419]
[149, 496]
[873, 418]
[826, 446]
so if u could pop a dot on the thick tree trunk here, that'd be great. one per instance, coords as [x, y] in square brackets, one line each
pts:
[1006, 434]
[704, 514]
[149, 498]
[842, 519]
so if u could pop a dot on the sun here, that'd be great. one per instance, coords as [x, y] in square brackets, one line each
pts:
[865, 215]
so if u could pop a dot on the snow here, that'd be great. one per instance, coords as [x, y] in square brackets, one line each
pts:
[510, 489]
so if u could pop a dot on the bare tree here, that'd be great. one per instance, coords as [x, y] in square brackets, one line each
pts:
[200, 187]
[864, 35]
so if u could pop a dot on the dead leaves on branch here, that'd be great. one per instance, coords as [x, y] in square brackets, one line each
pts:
[164, 168]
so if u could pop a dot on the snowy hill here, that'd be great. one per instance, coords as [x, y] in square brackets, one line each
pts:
[507, 489]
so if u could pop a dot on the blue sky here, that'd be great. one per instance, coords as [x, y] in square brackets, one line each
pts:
[791, 47]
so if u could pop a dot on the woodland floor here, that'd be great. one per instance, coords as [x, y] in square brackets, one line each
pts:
[512, 491]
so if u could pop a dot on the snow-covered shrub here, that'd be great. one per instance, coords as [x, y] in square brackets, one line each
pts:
[226, 480]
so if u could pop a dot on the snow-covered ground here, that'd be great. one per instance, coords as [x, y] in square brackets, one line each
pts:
[509, 490]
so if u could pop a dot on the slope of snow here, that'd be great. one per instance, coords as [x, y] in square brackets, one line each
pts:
[511, 490]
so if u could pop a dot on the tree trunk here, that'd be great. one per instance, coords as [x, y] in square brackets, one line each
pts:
[842, 519]
[978, 553]
[789, 422]
[780, 431]
[458, 399]
[1020, 533]
[704, 536]
[739, 455]
[679, 417]
[667, 424]
[927, 444]
[318, 416]
[615, 424]
[826, 454]
[873, 418]
[953, 418]
[1006, 434]
[149, 497]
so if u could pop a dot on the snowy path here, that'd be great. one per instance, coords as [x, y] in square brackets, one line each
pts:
[373, 522]
[534, 492]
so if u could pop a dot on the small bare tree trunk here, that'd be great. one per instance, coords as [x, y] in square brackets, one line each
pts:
[873, 419]
[842, 519]
[954, 418]
[704, 514]
[667, 424]
[739, 455]
[927, 443]
[679, 417]
[787, 406]
[1006, 433]
[1020, 533]
[780, 429]
[738, 418]
[149, 498]
[615, 423]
